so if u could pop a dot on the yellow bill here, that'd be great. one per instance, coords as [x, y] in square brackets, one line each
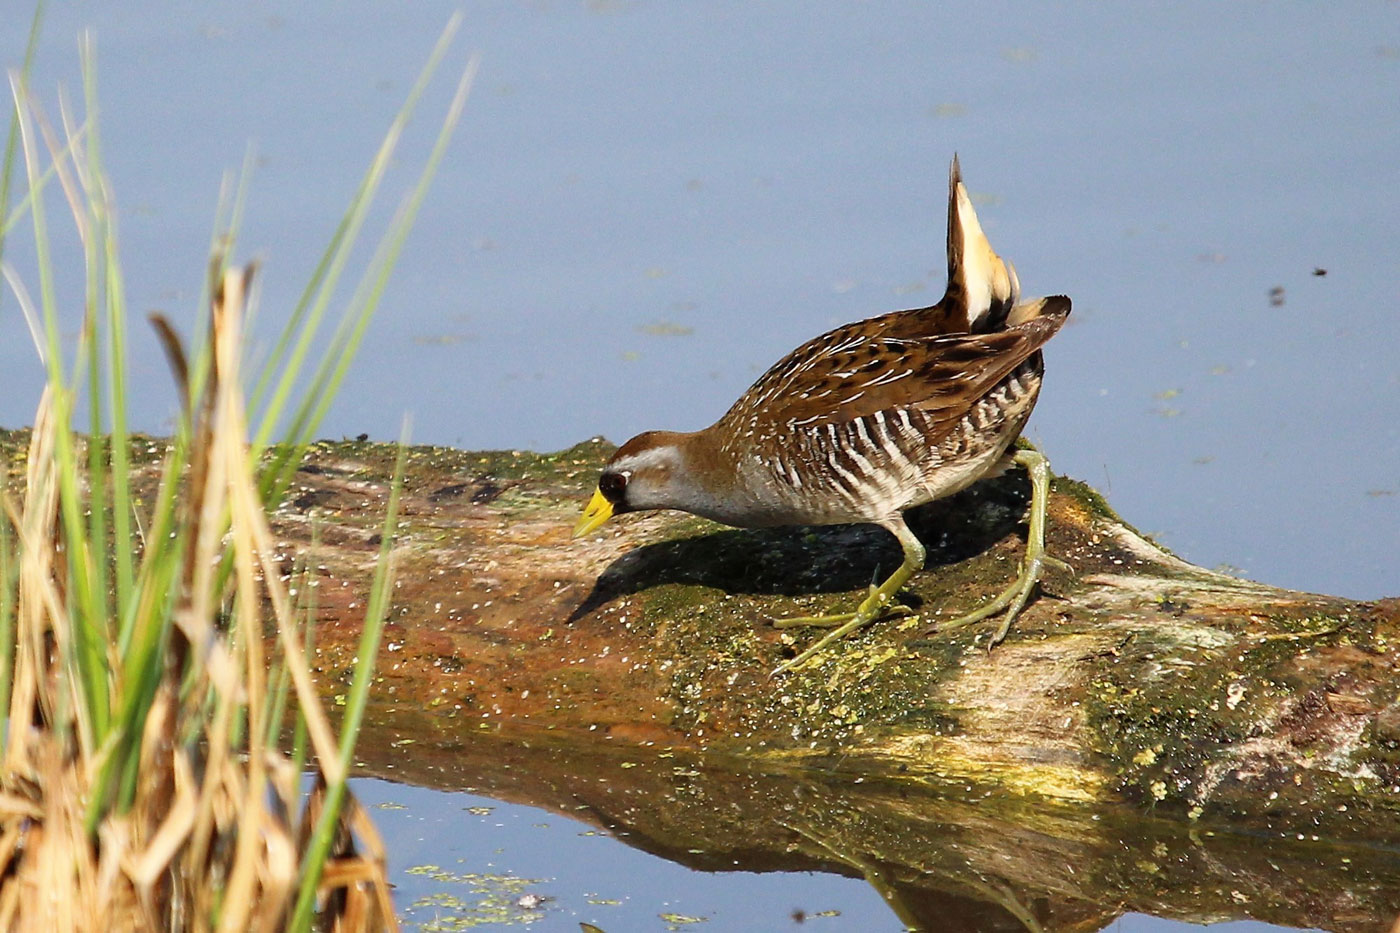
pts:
[598, 510]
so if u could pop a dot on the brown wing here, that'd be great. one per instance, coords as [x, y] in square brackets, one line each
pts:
[841, 346]
[857, 370]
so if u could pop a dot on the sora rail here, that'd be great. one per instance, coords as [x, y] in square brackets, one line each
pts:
[868, 420]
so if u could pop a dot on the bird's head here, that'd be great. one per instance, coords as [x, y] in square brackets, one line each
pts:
[647, 472]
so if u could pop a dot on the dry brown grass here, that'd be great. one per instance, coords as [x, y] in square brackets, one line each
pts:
[216, 834]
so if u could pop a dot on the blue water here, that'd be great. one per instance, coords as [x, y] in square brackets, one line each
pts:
[648, 203]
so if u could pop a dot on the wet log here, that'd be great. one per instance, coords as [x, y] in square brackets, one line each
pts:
[1140, 679]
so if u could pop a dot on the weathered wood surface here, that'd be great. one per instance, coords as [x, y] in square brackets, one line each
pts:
[1140, 679]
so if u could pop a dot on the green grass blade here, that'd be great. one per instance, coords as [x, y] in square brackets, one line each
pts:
[376, 615]
[112, 289]
[9, 580]
[97, 466]
[143, 666]
[300, 735]
[88, 639]
[12, 137]
[93, 290]
[305, 607]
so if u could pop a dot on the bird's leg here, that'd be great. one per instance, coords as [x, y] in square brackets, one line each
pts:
[1013, 598]
[874, 605]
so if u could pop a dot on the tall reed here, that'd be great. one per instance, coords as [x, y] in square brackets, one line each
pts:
[149, 647]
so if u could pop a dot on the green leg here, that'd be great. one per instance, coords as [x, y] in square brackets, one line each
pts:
[874, 606]
[1013, 598]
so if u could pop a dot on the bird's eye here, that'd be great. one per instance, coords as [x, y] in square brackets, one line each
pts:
[613, 485]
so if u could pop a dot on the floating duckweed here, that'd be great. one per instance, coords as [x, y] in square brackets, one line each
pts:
[490, 900]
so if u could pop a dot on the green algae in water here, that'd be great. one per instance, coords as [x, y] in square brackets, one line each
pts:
[489, 900]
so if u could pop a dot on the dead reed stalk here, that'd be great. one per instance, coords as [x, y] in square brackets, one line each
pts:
[214, 837]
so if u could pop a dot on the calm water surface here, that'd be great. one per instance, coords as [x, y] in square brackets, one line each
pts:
[648, 203]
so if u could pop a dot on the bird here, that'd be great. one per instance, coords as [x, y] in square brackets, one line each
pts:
[867, 421]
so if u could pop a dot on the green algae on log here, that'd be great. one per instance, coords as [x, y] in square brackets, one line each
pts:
[1141, 678]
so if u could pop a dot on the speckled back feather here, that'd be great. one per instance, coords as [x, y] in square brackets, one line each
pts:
[857, 370]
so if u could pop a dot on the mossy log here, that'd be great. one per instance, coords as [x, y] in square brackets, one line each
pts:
[1140, 678]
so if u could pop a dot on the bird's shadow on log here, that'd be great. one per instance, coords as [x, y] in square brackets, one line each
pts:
[804, 560]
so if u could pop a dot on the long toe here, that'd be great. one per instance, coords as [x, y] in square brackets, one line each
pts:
[1013, 600]
[855, 620]
[828, 621]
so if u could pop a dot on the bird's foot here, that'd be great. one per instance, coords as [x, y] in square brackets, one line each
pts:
[877, 605]
[1012, 599]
